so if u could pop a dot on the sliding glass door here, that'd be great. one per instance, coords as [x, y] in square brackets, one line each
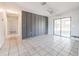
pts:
[62, 27]
[65, 27]
[57, 27]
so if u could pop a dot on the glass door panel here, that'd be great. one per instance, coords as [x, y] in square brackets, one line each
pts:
[65, 27]
[57, 27]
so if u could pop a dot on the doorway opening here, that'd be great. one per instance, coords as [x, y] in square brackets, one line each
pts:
[12, 24]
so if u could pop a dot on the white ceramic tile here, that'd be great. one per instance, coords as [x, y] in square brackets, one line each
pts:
[53, 52]
[63, 53]
[45, 45]
[42, 52]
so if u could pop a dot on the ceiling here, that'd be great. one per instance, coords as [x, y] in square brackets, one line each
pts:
[56, 7]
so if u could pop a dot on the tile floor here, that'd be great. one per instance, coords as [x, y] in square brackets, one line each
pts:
[45, 45]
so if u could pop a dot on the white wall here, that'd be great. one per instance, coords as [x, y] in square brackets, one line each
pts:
[74, 14]
[2, 31]
[50, 25]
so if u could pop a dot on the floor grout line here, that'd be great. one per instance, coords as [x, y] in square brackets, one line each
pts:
[9, 48]
[17, 48]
